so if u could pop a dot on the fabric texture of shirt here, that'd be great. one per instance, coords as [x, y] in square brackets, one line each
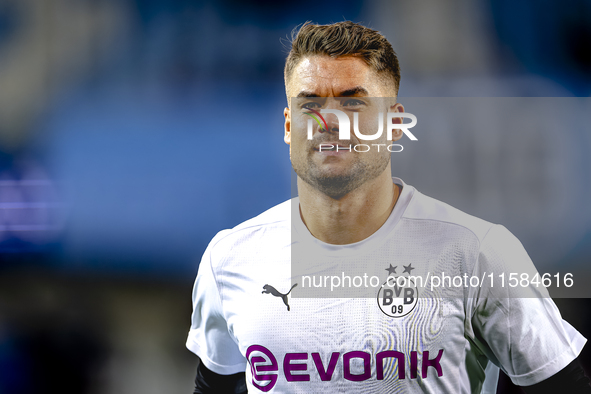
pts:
[254, 311]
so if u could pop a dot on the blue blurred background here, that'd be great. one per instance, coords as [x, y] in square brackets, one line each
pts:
[119, 159]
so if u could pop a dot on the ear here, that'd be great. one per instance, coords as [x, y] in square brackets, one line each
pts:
[287, 126]
[397, 133]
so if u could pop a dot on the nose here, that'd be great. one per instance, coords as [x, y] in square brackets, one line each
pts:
[332, 123]
[337, 121]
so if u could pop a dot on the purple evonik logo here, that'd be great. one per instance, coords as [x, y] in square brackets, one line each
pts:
[262, 361]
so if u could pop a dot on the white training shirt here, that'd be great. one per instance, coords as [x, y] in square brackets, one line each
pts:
[447, 340]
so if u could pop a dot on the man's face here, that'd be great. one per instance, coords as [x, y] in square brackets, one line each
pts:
[346, 84]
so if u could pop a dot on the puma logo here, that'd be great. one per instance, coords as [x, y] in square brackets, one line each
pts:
[268, 289]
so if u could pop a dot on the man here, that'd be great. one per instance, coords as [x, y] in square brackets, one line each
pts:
[352, 214]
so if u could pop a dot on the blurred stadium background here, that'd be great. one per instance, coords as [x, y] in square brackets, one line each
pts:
[119, 159]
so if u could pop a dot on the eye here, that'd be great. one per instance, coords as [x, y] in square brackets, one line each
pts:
[311, 104]
[353, 103]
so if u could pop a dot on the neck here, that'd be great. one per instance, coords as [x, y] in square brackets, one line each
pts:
[351, 218]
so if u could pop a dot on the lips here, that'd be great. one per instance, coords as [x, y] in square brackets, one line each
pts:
[332, 147]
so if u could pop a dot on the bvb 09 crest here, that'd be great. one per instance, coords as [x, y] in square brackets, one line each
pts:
[398, 296]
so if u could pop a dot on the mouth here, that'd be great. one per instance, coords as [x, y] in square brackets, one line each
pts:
[332, 147]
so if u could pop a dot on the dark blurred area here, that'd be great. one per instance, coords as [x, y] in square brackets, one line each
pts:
[131, 131]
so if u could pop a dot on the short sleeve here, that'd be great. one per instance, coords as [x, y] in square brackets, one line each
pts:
[209, 337]
[519, 328]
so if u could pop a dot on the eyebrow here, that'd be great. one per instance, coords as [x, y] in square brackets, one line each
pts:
[307, 94]
[356, 91]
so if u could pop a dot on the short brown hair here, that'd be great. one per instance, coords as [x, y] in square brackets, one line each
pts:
[344, 39]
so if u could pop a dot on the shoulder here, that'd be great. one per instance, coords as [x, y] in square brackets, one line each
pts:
[268, 227]
[428, 210]
[278, 215]
[497, 249]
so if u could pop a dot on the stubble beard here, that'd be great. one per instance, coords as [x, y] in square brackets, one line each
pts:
[336, 186]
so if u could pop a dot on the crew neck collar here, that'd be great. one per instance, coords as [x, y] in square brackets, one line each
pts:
[300, 232]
